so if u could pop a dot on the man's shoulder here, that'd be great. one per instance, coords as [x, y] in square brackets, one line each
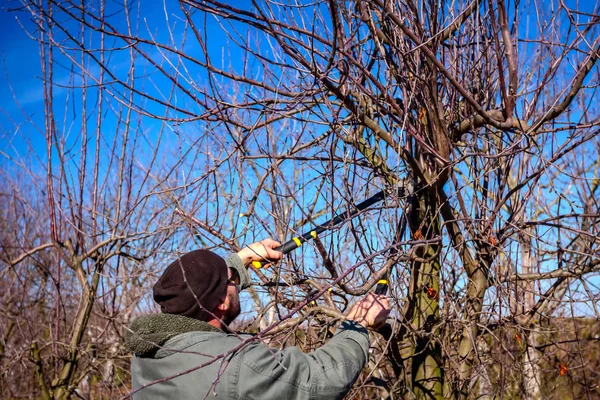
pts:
[209, 343]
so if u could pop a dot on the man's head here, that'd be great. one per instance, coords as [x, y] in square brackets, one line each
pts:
[199, 285]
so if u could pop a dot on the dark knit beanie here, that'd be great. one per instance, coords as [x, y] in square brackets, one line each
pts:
[202, 271]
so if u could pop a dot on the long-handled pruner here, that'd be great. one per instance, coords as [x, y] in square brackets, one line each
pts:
[297, 241]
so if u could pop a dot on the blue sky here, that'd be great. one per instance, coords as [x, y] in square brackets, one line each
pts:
[20, 64]
[20, 77]
[19, 61]
[20, 55]
[21, 67]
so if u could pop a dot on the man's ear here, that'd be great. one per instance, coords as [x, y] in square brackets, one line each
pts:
[223, 306]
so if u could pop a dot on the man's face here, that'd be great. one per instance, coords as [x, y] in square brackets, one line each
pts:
[233, 297]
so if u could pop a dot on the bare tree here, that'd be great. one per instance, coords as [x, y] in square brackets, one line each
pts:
[230, 123]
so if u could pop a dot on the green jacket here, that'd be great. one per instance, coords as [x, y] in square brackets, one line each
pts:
[184, 356]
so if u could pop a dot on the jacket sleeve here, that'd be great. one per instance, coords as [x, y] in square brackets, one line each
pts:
[234, 261]
[327, 373]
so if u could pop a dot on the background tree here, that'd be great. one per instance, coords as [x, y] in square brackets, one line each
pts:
[222, 124]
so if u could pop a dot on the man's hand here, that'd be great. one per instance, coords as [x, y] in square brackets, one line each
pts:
[371, 311]
[260, 251]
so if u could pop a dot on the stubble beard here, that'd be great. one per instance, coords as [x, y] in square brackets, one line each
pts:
[234, 308]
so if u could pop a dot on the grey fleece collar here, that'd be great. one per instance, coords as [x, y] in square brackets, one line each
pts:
[148, 333]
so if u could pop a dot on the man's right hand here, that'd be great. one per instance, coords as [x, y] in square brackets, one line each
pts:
[261, 251]
[371, 311]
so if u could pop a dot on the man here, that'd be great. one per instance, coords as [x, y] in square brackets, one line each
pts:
[187, 352]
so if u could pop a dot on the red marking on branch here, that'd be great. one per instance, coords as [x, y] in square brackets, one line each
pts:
[563, 370]
[431, 293]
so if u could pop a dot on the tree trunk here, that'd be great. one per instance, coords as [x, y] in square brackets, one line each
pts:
[475, 292]
[531, 369]
[531, 357]
[427, 373]
[483, 385]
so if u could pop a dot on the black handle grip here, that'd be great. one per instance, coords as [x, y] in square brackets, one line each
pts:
[288, 247]
[346, 215]
[382, 287]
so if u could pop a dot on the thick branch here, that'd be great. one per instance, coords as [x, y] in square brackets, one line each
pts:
[510, 60]
[478, 121]
[28, 253]
[458, 21]
[39, 371]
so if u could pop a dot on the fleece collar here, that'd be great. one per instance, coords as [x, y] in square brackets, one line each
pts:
[147, 334]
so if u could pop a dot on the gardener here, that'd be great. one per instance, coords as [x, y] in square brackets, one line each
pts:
[188, 352]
